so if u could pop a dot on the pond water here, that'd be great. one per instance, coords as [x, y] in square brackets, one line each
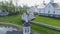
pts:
[3, 30]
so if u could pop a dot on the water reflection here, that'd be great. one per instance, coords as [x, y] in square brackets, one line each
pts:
[3, 30]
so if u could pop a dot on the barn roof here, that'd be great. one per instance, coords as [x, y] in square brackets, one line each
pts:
[41, 6]
[56, 5]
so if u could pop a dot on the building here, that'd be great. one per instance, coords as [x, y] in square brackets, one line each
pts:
[51, 9]
[3, 13]
[33, 9]
[30, 15]
[26, 25]
[26, 28]
[47, 9]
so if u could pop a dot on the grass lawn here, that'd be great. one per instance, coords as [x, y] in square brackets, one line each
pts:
[17, 20]
[47, 20]
[43, 30]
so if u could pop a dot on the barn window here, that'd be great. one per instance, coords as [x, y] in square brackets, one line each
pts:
[53, 11]
[48, 11]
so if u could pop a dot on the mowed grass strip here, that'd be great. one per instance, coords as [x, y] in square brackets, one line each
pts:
[47, 20]
[43, 30]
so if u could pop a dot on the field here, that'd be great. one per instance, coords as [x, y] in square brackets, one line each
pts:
[17, 20]
[47, 20]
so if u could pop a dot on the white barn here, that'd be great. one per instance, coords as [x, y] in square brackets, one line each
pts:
[50, 9]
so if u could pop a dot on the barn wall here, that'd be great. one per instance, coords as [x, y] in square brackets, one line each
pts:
[49, 8]
[41, 12]
[36, 10]
[49, 11]
[32, 9]
[57, 12]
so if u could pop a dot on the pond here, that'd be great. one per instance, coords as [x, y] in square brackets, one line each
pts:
[3, 30]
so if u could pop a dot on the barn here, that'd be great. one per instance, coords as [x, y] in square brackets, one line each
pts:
[51, 9]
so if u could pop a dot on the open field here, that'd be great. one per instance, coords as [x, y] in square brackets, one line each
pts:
[17, 20]
[47, 20]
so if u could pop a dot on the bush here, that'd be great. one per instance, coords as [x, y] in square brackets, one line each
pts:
[13, 13]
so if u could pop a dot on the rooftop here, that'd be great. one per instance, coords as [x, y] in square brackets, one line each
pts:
[56, 5]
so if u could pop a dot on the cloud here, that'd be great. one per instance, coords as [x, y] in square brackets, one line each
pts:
[32, 2]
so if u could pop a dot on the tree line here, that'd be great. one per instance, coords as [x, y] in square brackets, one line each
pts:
[11, 8]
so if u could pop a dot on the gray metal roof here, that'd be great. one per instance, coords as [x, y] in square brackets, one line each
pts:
[42, 5]
[56, 5]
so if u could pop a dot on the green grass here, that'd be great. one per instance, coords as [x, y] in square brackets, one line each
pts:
[42, 30]
[17, 20]
[47, 20]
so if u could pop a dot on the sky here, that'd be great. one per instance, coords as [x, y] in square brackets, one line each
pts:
[32, 2]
